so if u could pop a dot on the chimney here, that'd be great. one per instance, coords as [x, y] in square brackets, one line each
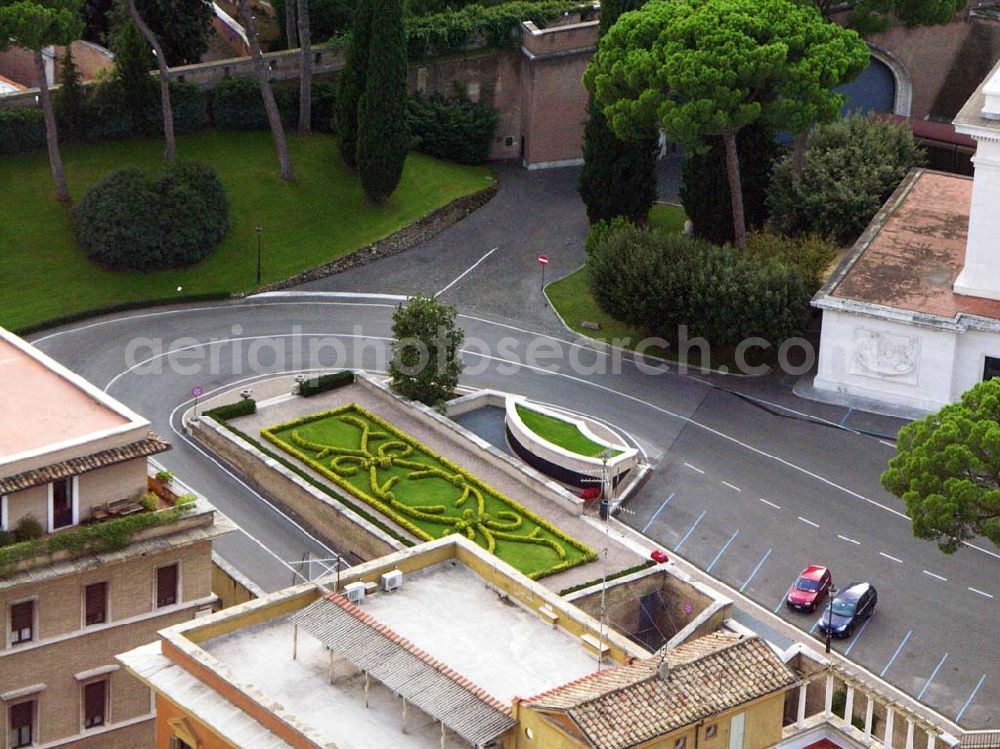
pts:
[663, 669]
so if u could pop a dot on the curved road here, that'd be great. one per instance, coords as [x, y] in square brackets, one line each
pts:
[750, 490]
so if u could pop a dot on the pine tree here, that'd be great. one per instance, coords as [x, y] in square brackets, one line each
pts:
[70, 104]
[133, 63]
[618, 177]
[383, 134]
[351, 84]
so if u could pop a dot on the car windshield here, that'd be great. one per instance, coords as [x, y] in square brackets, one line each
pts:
[843, 608]
[810, 585]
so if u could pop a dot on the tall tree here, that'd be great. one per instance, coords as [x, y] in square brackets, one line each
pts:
[351, 84]
[383, 134]
[947, 470]
[183, 27]
[305, 70]
[618, 177]
[34, 25]
[170, 152]
[291, 28]
[711, 67]
[133, 60]
[69, 100]
[267, 93]
[425, 364]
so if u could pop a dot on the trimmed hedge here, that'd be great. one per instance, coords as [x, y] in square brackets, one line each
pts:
[613, 576]
[457, 129]
[324, 383]
[222, 414]
[21, 130]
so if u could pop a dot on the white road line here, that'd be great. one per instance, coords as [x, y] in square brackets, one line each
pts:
[731, 486]
[808, 522]
[887, 444]
[467, 271]
[769, 503]
[849, 540]
[328, 295]
[936, 577]
[981, 592]
[694, 468]
[889, 556]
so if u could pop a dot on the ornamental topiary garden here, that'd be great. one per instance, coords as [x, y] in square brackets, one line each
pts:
[126, 222]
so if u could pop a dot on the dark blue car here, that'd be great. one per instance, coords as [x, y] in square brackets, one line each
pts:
[849, 608]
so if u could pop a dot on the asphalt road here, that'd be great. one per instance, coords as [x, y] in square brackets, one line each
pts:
[749, 491]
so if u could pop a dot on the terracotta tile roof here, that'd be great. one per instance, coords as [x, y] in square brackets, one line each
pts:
[631, 704]
[151, 445]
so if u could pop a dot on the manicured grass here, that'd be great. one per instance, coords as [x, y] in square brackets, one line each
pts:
[562, 433]
[667, 218]
[322, 216]
[422, 492]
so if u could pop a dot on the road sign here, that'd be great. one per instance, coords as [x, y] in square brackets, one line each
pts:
[543, 259]
[197, 391]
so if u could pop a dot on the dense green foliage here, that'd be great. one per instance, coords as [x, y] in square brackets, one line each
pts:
[658, 282]
[561, 432]
[456, 129]
[21, 130]
[425, 365]
[324, 383]
[125, 222]
[70, 101]
[872, 16]
[237, 104]
[327, 18]
[947, 467]
[351, 82]
[851, 168]
[383, 134]
[705, 184]
[242, 407]
[182, 27]
[137, 90]
[809, 254]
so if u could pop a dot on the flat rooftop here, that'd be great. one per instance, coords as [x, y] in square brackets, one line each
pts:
[41, 407]
[446, 611]
[915, 249]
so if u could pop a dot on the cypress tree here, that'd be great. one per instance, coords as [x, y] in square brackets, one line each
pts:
[351, 84]
[70, 105]
[383, 134]
[133, 63]
[618, 177]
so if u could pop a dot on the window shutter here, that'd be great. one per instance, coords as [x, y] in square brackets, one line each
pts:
[166, 585]
[21, 724]
[96, 597]
[94, 698]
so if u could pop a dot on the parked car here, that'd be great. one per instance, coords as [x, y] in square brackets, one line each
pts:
[810, 588]
[849, 608]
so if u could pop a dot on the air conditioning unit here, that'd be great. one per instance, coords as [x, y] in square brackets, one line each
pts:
[392, 580]
[355, 592]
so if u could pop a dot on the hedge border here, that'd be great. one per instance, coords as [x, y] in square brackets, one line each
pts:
[326, 383]
[588, 554]
[614, 576]
[242, 407]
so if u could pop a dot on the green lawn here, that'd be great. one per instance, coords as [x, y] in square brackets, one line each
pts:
[426, 494]
[562, 433]
[322, 216]
[667, 218]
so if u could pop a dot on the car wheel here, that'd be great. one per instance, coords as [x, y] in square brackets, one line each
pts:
[849, 631]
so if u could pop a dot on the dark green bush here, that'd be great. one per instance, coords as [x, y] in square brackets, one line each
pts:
[659, 282]
[6, 538]
[810, 255]
[108, 115]
[27, 529]
[21, 130]
[236, 105]
[457, 129]
[243, 407]
[323, 383]
[327, 18]
[851, 168]
[190, 107]
[324, 97]
[126, 222]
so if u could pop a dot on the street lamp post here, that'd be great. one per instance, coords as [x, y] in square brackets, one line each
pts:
[260, 230]
[829, 619]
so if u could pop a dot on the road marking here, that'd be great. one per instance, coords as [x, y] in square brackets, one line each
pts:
[657, 513]
[846, 416]
[981, 592]
[857, 635]
[690, 531]
[937, 668]
[694, 468]
[887, 444]
[328, 295]
[467, 271]
[813, 627]
[809, 522]
[969, 701]
[734, 488]
[722, 550]
[769, 503]
[755, 570]
[896, 654]
[781, 602]
[849, 540]
[936, 577]
[890, 556]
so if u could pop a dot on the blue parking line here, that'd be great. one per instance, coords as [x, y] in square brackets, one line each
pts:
[657, 513]
[846, 416]
[690, 531]
[933, 674]
[894, 655]
[969, 701]
[857, 637]
[723, 550]
[755, 570]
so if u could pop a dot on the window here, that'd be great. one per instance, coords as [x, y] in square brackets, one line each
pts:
[62, 503]
[711, 731]
[96, 603]
[22, 724]
[991, 368]
[95, 700]
[166, 586]
[176, 743]
[22, 622]
[680, 743]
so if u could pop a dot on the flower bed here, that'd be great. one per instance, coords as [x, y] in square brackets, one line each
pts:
[423, 492]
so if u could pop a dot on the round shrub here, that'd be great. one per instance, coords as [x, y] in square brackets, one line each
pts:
[27, 529]
[126, 222]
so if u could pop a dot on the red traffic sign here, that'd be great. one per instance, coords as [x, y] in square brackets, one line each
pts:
[196, 391]
[543, 259]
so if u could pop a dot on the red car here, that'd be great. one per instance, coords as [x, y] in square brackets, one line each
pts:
[810, 589]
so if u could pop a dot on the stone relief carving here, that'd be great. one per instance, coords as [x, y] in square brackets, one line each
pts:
[886, 355]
